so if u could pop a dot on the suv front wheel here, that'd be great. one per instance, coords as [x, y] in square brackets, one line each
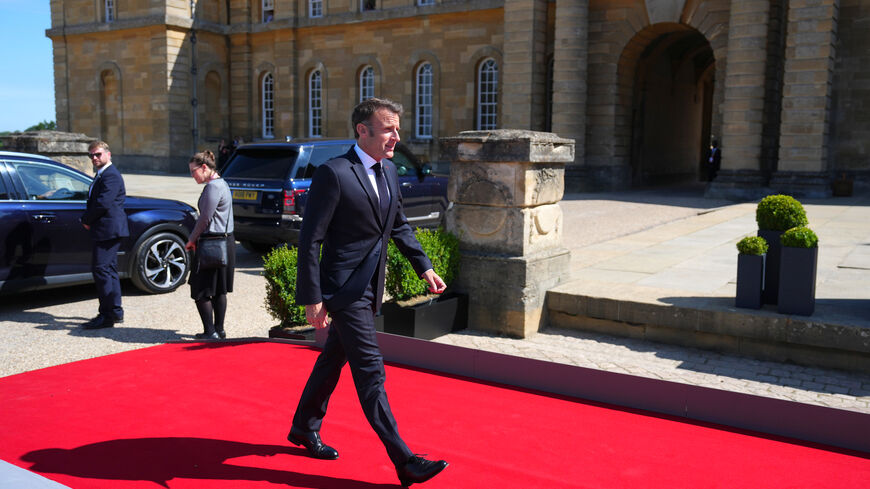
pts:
[161, 264]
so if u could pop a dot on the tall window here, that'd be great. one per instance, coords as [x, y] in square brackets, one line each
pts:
[268, 106]
[366, 83]
[268, 10]
[487, 95]
[423, 107]
[110, 10]
[315, 8]
[315, 105]
[367, 5]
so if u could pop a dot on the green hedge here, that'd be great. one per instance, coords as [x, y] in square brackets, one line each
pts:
[402, 282]
[752, 245]
[779, 213]
[800, 237]
[279, 268]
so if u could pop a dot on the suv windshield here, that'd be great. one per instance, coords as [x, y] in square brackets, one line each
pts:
[261, 162]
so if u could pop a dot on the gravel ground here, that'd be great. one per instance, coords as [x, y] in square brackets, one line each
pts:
[40, 329]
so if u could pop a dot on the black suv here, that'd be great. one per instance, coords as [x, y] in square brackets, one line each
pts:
[270, 181]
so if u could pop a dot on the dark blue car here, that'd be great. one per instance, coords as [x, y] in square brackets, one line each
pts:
[270, 182]
[43, 244]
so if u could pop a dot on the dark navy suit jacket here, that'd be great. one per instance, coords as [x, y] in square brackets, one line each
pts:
[105, 211]
[343, 215]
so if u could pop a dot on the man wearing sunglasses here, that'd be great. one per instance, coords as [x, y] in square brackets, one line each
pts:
[104, 217]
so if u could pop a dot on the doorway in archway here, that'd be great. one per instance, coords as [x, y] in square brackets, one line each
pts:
[671, 106]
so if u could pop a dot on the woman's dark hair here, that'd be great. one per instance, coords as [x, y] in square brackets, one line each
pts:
[204, 158]
[367, 108]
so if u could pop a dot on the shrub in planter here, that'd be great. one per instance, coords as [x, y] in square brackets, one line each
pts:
[279, 268]
[413, 311]
[797, 276]
[775, 214]
[750, 271]
[403, 283]
[752, 245]
[779, 213]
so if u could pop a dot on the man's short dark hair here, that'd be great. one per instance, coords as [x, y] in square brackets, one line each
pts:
[365, 109]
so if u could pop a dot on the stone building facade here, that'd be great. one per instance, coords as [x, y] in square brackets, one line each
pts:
[642, 86]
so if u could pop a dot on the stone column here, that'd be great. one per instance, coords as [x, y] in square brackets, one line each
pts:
[570, 58]
[505, 186]
[743, 113]
[806, 104]
[525, 67]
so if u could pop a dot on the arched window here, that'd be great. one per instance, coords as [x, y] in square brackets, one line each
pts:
[423, 106]
[110, 10]
[315, 104]
[268, 106]
[366, 83]
[315, 8]
[487, 95]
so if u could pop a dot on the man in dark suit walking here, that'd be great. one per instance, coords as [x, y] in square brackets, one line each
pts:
[106, 220]
[354, 208]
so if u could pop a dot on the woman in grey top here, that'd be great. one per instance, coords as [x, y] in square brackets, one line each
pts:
[209, 287]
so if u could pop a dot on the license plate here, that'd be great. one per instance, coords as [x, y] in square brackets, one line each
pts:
[244, 195]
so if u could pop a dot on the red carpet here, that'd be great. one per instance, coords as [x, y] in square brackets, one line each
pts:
[215, 416]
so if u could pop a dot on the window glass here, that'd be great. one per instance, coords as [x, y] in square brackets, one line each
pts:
[315, 107]
[4, 193]
[423, 107]
[321, 154]
[110, 10]
[315, 8]
[261, 163]
[425, 2]
[487, 95]
[404, 166]
[367, 5]
[48, 183]
[268, 10]
[268, 106]
[366, 83]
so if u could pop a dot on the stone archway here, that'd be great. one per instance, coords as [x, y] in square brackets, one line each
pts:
[670, 90]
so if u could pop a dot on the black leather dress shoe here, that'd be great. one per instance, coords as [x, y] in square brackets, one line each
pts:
[222, 334]
[418, 469]
[99, 322]
[311, 441]
[207, 336]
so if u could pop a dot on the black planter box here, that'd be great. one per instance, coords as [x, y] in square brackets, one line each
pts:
[770, 292]
[797, 281]
[443, 315]
[750, 281]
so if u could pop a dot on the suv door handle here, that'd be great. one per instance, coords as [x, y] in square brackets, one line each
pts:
[407, 184]
[43, 217]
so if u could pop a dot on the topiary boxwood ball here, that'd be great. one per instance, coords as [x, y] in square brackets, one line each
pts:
[779, 213]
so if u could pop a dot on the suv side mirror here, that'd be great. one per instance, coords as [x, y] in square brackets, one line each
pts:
[401, 170]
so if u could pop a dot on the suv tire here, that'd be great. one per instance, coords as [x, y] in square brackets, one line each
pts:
[161, 263]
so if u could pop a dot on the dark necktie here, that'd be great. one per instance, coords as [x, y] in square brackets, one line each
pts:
[383, 195]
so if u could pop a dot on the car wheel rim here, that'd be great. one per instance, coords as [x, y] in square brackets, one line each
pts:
[165, 264]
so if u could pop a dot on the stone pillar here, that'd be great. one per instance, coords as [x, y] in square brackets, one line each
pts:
[806, 104]
[743, 114]
[525, 65]
[505, 186]
[570, 59]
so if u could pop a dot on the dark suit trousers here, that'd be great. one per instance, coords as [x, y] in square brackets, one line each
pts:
[104, 266]
[352, 339]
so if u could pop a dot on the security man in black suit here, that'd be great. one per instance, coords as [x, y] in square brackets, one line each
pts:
[354, 208]
[106, 220]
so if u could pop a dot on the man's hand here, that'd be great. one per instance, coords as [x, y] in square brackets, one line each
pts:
[316, 315]
[86, 226]
[436, 285]
[190, 246]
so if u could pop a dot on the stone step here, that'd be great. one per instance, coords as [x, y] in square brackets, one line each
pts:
[834, 337]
